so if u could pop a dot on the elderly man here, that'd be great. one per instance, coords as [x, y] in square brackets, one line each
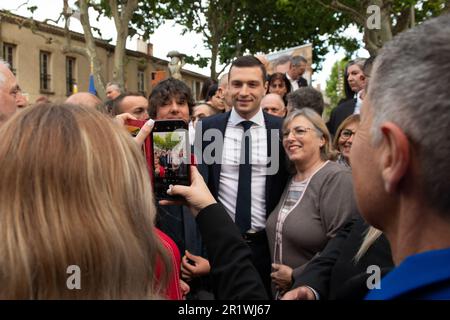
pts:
[296, 70]
[273, 104]
[400, 160]
[223, 92]
[8, 92]
[112, 90]
[282, 64]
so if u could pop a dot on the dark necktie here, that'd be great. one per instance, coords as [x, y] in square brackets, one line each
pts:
[243, 202]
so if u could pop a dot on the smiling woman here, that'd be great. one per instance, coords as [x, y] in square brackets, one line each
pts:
[344, 138]
[316, 202]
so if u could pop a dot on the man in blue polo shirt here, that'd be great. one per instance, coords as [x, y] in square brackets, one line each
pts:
[400, 160]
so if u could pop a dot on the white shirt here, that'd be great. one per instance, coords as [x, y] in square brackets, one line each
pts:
[294, 83]
[229, 173]
[358, 103]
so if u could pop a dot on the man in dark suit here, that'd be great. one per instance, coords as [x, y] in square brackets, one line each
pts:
[356, 80]
[296, 71]
[336, 273]
[249, 190]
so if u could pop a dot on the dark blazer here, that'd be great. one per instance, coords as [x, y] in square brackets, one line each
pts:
[233, 275]
[274, 183]
[335, 275]
[340, 113]
[302, 82]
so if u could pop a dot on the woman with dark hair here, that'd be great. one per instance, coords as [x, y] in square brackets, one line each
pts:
[278, 83]
[205, 87]
[213, 98]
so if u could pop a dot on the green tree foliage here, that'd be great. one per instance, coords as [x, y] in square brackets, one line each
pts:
[335, 84]
[235, 27]
[168, 142]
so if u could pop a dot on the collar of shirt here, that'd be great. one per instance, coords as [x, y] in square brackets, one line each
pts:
[358, 103]
[289, 78]
[257, 119]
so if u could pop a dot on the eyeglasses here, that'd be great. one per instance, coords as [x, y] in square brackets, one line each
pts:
[299, 132]
[347, 133]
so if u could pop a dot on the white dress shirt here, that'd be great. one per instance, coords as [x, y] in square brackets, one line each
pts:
[294, 83]
[229, 173]
[358, 103]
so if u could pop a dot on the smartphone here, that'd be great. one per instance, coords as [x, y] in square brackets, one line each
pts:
[171, 156]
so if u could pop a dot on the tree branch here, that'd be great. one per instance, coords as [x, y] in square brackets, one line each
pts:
[202, 27]
[223, 69]
[23, 4]
[402, 21]
[128, 11]
[68, 47]
[340, 7]
[115, 13]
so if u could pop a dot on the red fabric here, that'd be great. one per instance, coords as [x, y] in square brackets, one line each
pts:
[173, 289]
[162, 171]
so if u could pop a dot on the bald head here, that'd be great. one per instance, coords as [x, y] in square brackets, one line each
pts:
[273, 104]
[85, 99]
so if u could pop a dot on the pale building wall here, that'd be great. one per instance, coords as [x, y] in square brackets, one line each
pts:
[26, 62]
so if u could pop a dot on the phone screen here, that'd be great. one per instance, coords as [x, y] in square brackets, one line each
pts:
[171, 156]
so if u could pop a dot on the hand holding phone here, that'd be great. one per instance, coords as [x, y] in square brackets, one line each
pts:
[196, 196]
[171, 156]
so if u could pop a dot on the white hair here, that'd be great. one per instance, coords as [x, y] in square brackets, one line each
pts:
[223, 81]
[2, 75]
[115, 85]
[410, 87]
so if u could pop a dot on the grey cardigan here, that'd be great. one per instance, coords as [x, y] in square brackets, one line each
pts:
[328, 202]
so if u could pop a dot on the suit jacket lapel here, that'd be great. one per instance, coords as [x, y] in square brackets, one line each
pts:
[269, 127]
[221, 125]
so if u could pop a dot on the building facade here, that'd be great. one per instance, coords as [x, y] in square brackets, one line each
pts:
[35, 53]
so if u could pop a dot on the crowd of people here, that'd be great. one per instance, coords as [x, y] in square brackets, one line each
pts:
[282, 205]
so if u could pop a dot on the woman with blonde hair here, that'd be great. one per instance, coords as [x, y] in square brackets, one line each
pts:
[344, 138]
[75, 195]
[317, 201]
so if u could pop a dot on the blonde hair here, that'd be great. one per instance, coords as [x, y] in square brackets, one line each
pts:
[350, 119]
[74, 190]
[326, 151]
[371, 236]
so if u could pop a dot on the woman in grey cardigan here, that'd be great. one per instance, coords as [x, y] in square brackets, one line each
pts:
[317, 201]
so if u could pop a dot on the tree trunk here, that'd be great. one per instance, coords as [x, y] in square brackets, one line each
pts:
[214, 55]
[119, 58]
[374, 39]
[121, 20]
[92, 50]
